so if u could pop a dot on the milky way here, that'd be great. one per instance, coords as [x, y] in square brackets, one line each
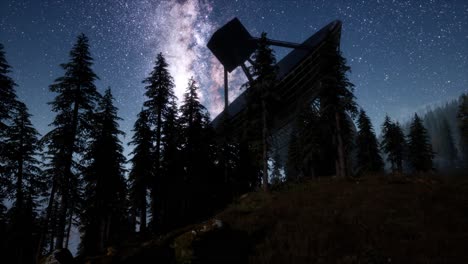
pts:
[180, 30]
[404, 55]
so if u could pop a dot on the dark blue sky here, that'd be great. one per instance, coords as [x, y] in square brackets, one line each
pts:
[404, 55]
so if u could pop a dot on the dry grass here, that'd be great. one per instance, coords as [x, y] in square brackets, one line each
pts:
[374, 220]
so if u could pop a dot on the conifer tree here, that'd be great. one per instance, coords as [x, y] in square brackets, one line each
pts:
[420, 152]
[27, 183]
[8, 102]
[160, 92]
[260, 97]
[171, 170]
[194, 122]
[337, 103]
[448, 150]
[105, 206]
[141, 171]
[7, 92]
[368, 156]
[305, 145]
[393, 144]
[74, 104]
[462, 117]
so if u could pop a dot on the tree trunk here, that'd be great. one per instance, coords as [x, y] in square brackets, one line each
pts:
[341, 170]
[154, 193]
[65, 186]
[70, 222]
[265, 148]
[45, 224]
[143, 218]
[102, 233]
[19, 182]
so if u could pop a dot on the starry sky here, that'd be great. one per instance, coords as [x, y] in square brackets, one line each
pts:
[404, 55]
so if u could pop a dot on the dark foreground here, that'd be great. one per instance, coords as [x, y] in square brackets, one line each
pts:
[418, 219]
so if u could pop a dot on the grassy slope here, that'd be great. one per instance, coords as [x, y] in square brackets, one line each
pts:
[375, 220]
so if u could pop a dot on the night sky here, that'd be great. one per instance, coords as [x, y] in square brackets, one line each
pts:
[404, 55]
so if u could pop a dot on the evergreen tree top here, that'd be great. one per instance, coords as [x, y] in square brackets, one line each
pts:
[142, 136]
[159, 88]
[77, 83]
[337, 90]
[159, 76]
[106, 127]
[80, 61]
[192, 110]
[364, 123]
[106, 105]
[7, 92]
[4, 66]
[265, 62]
[419, 147]
[417, 128]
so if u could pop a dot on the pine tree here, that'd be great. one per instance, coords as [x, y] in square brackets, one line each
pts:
[74, 105]
[8, 102]
[368, 156]
[160, 92]
[171, 170]
[448, 150]
[260, 96]
[7, 92]
[105, 206]
[141, 171]
[462, 117]
[28, 184]
[305, 149]
[194, 122]
[337, 103]
[420, 153]
[393, 144]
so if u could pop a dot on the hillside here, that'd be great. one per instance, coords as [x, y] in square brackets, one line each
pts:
[374, 220]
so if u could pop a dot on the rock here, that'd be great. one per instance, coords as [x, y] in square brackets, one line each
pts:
[217, 223]
[183, 244]
[60, 256]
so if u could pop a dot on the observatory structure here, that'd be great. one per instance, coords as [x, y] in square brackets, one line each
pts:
[299, 75]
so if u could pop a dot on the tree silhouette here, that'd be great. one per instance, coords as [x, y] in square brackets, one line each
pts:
[194, 122]
[462, 117]
[393, 144]
[103, 220]
[28, 185]
[448, 150]
[260, 96]
[337, 103]
[141, 171]
[368, 156]
[7, 91]
[74, 104]
[420, 153]
[305, 148]
[160, 93]
[8, 102]
[171, 170]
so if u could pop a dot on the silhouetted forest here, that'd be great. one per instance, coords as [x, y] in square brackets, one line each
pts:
[182, 169]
